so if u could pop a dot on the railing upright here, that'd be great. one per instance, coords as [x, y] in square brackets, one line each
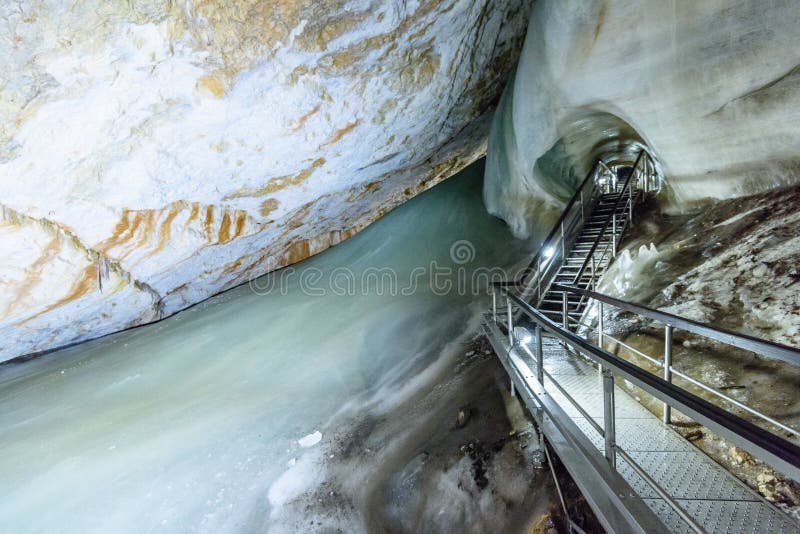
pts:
[510, 323]
[609, 418]
[667, 366]
[534, 272]
[539, 355]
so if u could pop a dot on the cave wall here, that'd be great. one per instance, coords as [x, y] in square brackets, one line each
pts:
[712, 88]
[155, 153]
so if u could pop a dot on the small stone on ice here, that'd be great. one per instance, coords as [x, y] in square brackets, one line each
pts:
[463, 417]
[310, 440]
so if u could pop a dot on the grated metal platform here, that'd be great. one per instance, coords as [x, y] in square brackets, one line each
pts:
[704, 489]
[636, 473]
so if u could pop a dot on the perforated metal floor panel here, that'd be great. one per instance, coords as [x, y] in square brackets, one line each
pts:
[704, 489]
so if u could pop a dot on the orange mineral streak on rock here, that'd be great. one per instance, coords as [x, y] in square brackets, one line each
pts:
[212, 85]
[303, 118]
[241, 219]
[165, 230]
[33, 277]
[193, 213]
[83, 285]
[341, 132]
[278, 183]
[208, 222]
[268, 206]
[121, 228]
[146, 231]
[297, 251]
[152, 231]
[225, 228]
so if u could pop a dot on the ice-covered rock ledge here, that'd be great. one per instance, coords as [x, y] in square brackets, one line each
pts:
[155, 153]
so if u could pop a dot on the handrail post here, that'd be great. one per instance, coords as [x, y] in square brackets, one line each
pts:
[609, 423]
[630, 206]
[643, 175]
[563, 245]
[600, 324]
[614, 234]
[510, 323]
[494, 304]
[600, 332]
[667, 367]
[592, 272]
[539, 355]
[564, 312]
[539, 281]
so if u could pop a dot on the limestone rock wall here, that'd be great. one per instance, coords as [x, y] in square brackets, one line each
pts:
[154, 153]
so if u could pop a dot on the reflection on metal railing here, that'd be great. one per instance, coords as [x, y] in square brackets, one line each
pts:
[776, 451]
[763, 348]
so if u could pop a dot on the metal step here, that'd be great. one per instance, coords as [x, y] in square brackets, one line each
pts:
[557, 299]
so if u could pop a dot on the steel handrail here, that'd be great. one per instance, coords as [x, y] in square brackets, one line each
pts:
[614, 506]
[609, 219]
[780, 453]
[680, 374]
[547, 240]
[762, 347]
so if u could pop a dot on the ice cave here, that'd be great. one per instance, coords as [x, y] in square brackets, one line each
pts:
[437, 266]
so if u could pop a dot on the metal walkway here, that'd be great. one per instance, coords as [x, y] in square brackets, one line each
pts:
[711, 496]
[636, 472]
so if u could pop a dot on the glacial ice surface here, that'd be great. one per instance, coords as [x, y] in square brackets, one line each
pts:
[197, 423]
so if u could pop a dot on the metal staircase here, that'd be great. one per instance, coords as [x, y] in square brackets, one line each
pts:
[583, 242]
[636, 472]
[571, 271]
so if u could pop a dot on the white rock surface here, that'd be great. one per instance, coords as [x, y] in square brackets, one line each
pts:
[711, 87]
[155, 153]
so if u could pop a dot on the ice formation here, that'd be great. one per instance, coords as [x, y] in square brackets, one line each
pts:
[710, 88]
[192, 424]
